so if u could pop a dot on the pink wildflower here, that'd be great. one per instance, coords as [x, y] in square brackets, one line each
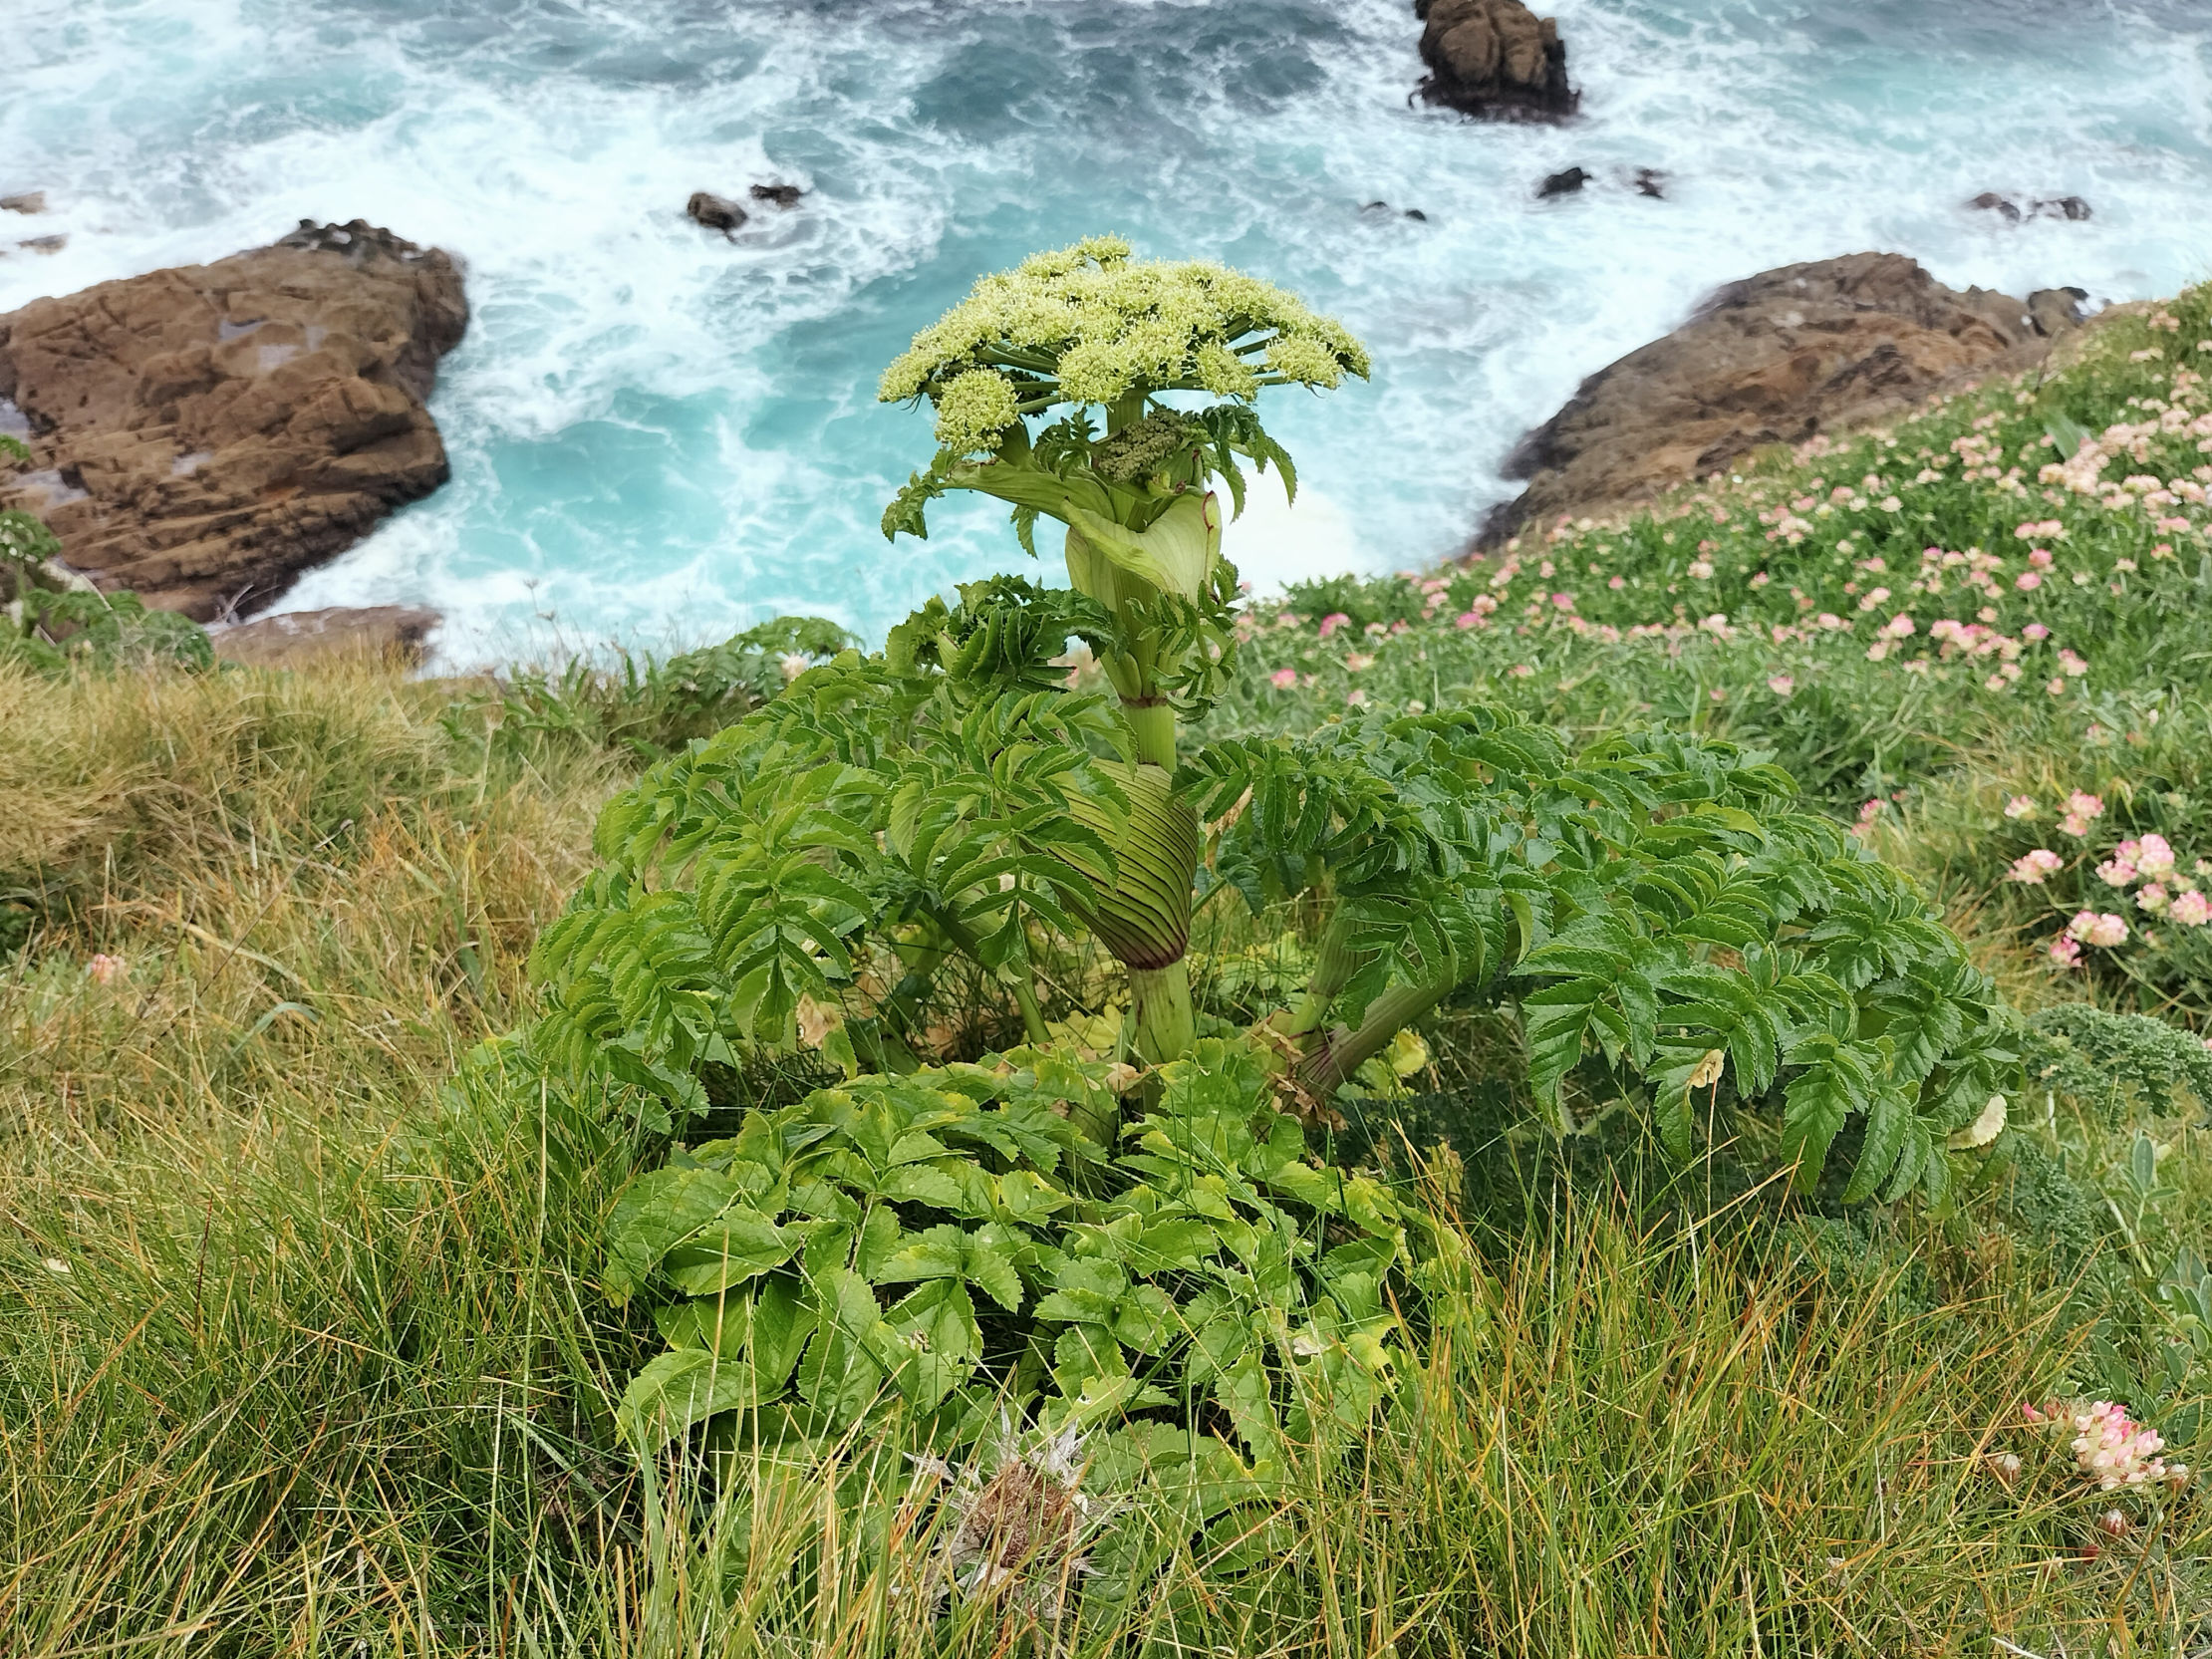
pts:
[2104, 930]
[2154, 856]
[1781, 685]
[1563, 601]
[1616, 583]
[2036, 631]
[2152, 899]
[1332, 622]
[2020, 806]
[2074, 824]
[1355, 697]
[1283, 678]
[2191, 910]
[2088, 806]
[2066, 952]
[104, 970]
[2040, 557]
[2033, 867]
[2028, 580]
[1468, 619]
[1358, 660]
[1521, 670]
[2116, 872]
[1901, 627]
[2055, 685]
[2073, 666]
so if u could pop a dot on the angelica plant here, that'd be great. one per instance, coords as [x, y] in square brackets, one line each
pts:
[1127, 1184]
[1092, 345]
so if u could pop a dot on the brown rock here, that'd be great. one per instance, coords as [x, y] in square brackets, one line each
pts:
[30, 201]
[204, 435]
[1495, 59]
[1772, 359]
[377, 632]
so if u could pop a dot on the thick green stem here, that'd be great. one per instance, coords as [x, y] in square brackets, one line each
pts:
[1342, 1051]
[1152, 724]
[1160, 999]
[1032, 1016]
[1333, 964]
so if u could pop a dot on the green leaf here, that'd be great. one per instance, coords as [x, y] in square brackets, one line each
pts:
[651, 1216]
[739, 1245]
[677, 1389]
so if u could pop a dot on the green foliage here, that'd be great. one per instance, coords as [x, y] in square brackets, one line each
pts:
[649, 707]
[2120, 1066]
[25, 541]
[62, 631]
[921, 1247]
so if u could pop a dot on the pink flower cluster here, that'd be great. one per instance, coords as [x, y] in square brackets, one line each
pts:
[2033, 867]
[2110, 1449]
[2081, 809]
[2106, 931]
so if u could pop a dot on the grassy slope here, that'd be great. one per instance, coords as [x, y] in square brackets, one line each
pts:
[290, 1361]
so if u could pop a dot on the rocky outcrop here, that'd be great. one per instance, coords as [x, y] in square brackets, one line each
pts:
[375, 632]
[203, 435]
[1772, 359]
[1495, 59]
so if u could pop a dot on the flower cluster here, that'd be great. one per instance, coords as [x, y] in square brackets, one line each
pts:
[1088, 324]
[2110, 1449]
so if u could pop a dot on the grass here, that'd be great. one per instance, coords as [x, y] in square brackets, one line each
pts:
[300, 1354]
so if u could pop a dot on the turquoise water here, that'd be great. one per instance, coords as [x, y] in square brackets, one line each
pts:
[659, 435]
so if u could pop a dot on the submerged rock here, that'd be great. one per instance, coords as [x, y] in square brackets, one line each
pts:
[1650, 182]
[2040, 208]
[713, 211]
[783, 195]
[1495, 59]
[204, 434]
[30, 201]
[1564, 183]
[377, 632]
[1772, 359]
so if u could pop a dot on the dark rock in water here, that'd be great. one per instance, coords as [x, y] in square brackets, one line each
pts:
[1416, 213]
[1564, 183]
[43, 245]
[2058, 207]
[1772, 359]
[30, 201]
[713, 211]
[1649, 181]
[1495, 59]
[213, 430]
[1374, 207]
[783, 195]
[377, 631]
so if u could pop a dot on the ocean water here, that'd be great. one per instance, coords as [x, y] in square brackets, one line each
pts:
[659, 435]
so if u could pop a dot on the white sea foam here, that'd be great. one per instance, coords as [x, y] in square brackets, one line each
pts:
[659, 435]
